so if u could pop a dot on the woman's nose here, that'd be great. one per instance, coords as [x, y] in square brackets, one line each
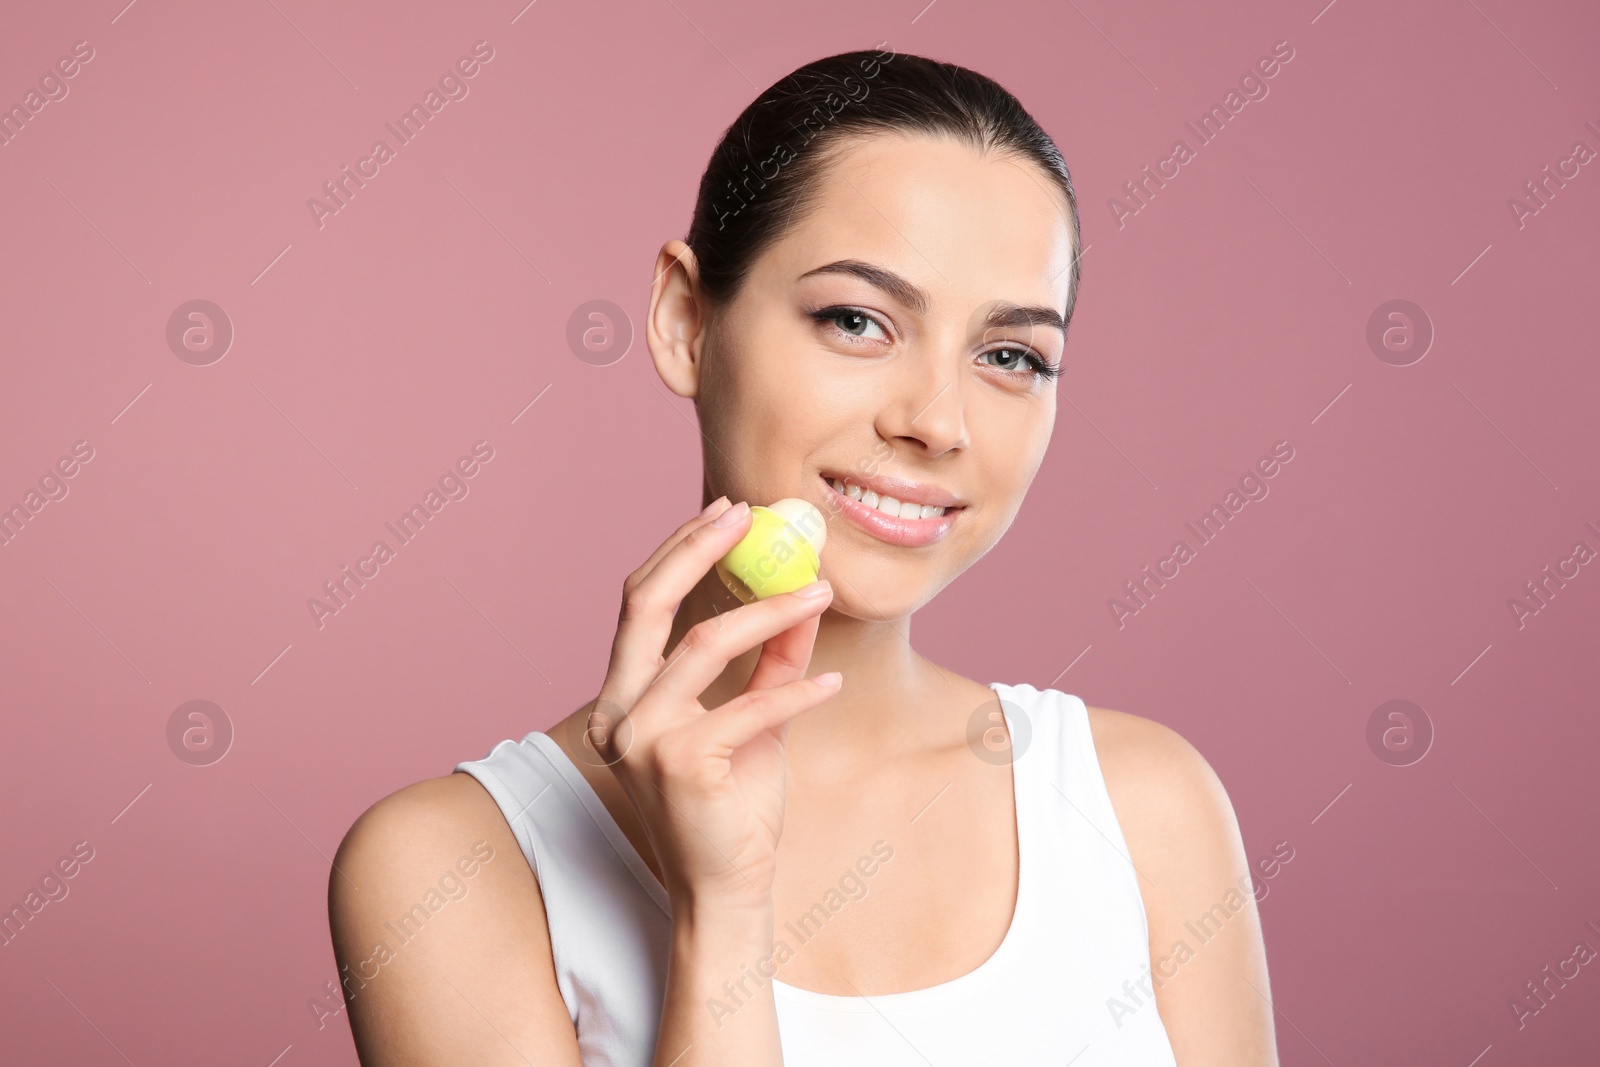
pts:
[927, 410]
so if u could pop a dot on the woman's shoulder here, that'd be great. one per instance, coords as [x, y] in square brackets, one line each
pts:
[1175, 815]
[1134, 750]
[416, 833]
[447, 806]
[1154, 773]
[439, 853]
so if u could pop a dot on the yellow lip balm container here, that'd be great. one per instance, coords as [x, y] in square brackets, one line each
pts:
[781, 553]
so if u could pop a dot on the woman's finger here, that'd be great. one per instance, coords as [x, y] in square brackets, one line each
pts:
[715, 508]
[648, 608]
[744, 717]
[620, 645]
[710, 645]
[785, 656]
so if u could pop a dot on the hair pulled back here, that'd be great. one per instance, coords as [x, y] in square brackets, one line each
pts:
[764, 172]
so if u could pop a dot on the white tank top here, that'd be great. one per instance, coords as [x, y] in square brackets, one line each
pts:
[1070, 982]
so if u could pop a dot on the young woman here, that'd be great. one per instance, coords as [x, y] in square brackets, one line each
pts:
[778, 834]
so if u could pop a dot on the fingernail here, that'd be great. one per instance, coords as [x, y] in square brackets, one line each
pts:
[816, 588]
[829, 680]
[713, 506]
[732, 515]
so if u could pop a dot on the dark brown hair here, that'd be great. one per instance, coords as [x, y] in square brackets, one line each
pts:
[763, 173]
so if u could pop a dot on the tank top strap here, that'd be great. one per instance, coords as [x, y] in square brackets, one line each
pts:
[1059, 773]
[609, 919]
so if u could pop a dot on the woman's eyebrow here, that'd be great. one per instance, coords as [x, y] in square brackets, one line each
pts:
[1003, 315]
[1009, 316]
[887, 280]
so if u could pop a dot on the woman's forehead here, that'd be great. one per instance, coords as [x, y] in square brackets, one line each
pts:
[933, 210]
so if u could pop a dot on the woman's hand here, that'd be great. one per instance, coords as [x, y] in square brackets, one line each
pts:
[708, 784]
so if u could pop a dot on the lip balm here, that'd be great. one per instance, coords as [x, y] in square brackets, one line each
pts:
[781, 553]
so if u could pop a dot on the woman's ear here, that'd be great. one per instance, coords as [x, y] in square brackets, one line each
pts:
[676, 323]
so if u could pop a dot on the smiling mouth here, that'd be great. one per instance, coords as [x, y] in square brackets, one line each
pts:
[868, 511]
[883, 504]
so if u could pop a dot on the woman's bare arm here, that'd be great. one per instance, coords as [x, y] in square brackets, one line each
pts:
[473, 980]
[464, 974]
[1183, 837]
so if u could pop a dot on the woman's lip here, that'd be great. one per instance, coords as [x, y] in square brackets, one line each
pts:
[900, 488]
[907, 533]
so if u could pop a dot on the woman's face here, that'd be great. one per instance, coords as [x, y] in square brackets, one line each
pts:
[861, 349]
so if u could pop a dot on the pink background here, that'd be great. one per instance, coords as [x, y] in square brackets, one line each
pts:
[1229, 313]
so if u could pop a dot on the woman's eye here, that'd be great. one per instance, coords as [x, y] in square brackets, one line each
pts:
[1012, 358]
[850, 321]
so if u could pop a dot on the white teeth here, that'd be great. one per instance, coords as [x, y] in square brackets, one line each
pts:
[887, 504]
